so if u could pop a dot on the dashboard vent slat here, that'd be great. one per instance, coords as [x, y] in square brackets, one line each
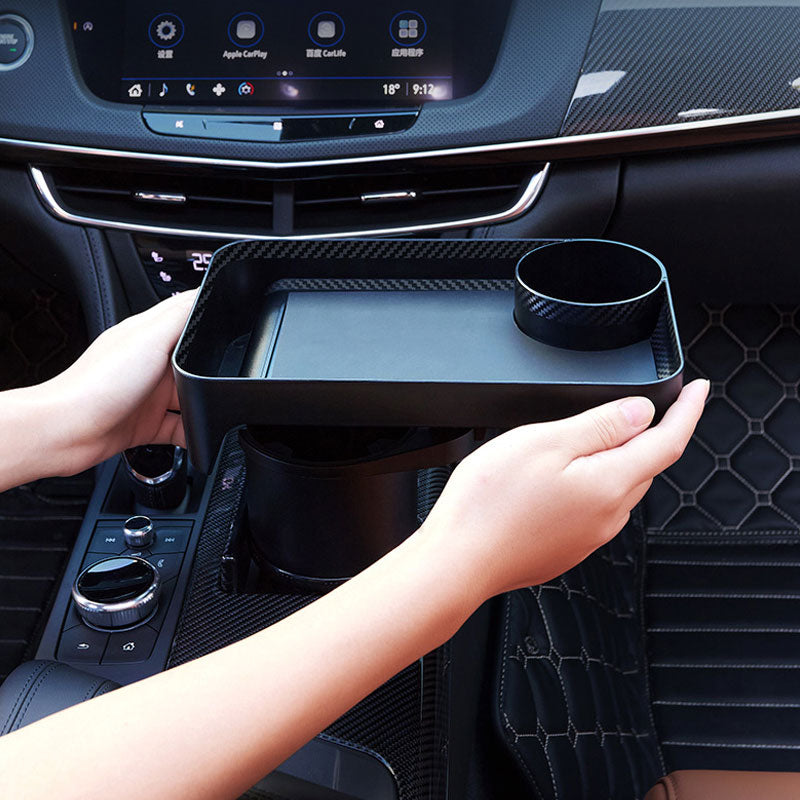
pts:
[250, 204]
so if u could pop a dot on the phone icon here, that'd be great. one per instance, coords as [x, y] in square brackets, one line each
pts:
[191, 89]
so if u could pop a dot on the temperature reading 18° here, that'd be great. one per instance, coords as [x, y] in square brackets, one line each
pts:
[424, 89]
[391, 88]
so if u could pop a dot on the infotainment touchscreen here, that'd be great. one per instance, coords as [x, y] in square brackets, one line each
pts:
[351, 52]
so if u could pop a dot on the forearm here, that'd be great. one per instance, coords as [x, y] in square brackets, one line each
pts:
[30, 445]
[228, 719]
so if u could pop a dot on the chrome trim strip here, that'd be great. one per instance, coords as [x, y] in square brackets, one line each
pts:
[385, 197]
[528, 144]
[523, 204]
[159, 197]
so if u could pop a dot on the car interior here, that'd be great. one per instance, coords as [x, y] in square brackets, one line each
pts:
[413, 229]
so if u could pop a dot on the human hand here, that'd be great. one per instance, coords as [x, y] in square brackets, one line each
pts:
[532, 503]
[120, 393]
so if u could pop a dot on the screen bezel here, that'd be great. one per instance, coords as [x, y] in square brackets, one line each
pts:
[478, 32]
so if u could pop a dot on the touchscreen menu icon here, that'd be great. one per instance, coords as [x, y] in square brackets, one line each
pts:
[408, 27]
[326, 29]
[246, 29]
[166, 30]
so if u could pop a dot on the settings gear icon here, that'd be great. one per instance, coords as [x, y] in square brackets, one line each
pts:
[166, 30]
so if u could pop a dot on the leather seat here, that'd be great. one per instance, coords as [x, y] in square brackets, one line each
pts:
[710, 784]
[38, 688]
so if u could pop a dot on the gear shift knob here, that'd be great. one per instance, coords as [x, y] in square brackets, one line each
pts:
[157, 474]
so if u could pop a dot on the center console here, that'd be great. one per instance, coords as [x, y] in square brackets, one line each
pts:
[348, 363]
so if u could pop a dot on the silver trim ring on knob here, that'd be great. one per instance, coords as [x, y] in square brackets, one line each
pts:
[138, 535]
[125, 614]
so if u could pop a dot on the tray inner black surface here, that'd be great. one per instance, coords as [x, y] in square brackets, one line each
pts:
[437, 336]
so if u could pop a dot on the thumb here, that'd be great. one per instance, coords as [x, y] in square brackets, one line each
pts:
[607, 426]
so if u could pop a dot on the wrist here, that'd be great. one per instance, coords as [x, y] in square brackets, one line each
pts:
[31, 447]
[450, 566]
[66, 426]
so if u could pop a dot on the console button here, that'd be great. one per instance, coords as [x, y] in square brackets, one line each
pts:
[163, 605]
[108, 540]
[324, 127]
[16, 40]
[81, 643]
[73, 618]
[128, 646]
[167, 564]
[117, 592]
[13, 41]
[138, 531]
[381, 123]
[170, 540]
[92, 558]
[175, 124]
[137, 553]
[252, 128]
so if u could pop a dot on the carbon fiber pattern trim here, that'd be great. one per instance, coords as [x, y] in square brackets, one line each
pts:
[404, 722]
[345, 250]
[584, 315]
[665, 345]
[724, 550]
[392, 250]
[376, 284]
[687, 64]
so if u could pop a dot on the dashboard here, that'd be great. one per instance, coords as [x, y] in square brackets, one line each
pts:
[178, 127]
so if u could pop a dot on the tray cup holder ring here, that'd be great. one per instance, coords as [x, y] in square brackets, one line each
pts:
[588, 294]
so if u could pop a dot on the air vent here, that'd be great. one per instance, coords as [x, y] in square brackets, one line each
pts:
[226, 205]
[209, 202]
[406, 198]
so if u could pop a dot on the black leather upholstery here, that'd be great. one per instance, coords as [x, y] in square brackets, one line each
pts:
[39, 688]
[723, 553]
[572, 693]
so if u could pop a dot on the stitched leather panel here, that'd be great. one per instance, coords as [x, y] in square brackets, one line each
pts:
[37, 689]
[723, 558]
[572, 689]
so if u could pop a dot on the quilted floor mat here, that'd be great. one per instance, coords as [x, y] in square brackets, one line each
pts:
[41, 333]
[723, 553]
[572, 690]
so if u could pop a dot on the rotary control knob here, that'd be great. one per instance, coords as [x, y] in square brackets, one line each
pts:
[139, 532]
[117, 592]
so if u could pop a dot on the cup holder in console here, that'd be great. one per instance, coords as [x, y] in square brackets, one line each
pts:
[412, 333]
[588, 294]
